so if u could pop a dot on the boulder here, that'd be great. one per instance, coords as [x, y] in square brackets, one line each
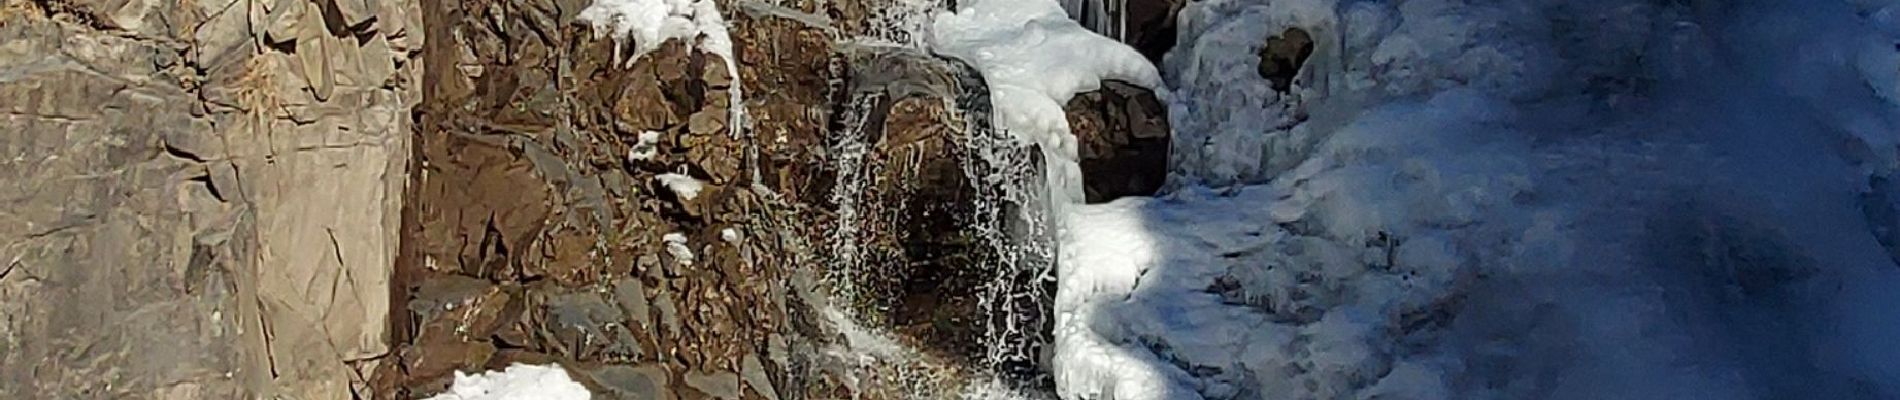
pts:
[1122, 137]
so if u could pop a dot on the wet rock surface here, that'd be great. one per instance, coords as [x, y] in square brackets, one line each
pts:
[936, 202]
[542, 225]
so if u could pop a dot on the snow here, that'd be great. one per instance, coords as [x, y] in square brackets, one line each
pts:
[644, 149]
[1035, 60]
[685, 186]
[676, 246]
[517, 382]
[1463, 199]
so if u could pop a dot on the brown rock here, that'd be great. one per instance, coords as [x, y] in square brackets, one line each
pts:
[1151, 26]
[473, 309]
[1122, 137]
[717, 385]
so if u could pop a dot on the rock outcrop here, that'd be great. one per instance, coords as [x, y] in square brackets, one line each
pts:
[1283, 55]
[548, 221]
[1121, 132]
[202, 196]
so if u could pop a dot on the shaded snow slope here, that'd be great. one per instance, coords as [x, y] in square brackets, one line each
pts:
[1499, 200]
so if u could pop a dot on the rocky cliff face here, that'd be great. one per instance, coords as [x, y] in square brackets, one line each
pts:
[544, 226]
[201, 197]
[208, 200]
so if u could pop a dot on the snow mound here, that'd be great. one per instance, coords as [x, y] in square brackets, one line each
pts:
[517, 382]
[677, 247]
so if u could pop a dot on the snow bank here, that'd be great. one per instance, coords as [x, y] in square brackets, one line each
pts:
[1462, 199]
[518, 382]
[1035, 59]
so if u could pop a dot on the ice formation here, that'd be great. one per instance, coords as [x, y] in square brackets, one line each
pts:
[517, 382]
[1102, 16]
[1463, 199]
[1035, 59]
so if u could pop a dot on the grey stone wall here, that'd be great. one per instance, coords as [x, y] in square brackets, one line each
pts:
[199, 199]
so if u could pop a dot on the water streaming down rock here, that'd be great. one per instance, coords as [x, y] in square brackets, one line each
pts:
[942, 232]
[846, 148]
[1020, 229]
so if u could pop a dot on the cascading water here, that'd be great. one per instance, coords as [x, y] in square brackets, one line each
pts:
[1019, 231]
[846, 150]
[1002, 209]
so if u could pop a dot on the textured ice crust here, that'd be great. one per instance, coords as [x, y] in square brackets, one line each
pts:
[1464, 199]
